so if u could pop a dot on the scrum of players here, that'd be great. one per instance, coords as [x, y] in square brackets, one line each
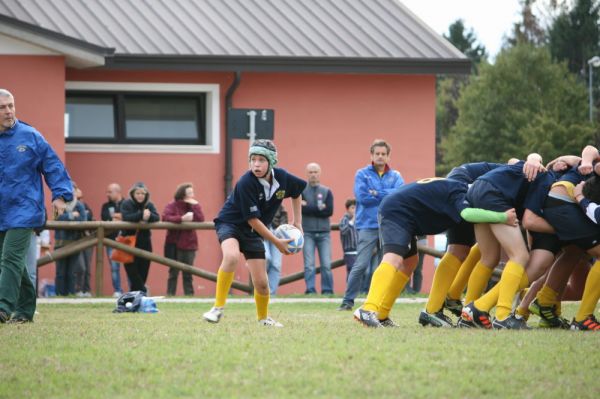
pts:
[542, 221]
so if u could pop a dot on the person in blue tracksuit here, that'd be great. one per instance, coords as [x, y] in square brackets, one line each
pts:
[371, 185]
[25, 156]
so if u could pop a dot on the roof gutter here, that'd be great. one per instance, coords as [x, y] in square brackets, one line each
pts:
[420, 66]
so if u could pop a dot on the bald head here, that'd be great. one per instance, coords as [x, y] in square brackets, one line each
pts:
[7, 110]
[313, 173]
[113, 192]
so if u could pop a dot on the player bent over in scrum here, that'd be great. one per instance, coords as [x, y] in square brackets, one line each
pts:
[429, 206]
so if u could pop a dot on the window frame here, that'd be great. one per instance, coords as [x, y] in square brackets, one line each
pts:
[207, 96]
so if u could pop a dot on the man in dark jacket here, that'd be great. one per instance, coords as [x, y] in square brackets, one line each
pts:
[26, 156]
[317, 208]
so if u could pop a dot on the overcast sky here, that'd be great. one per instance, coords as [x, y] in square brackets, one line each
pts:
[490, 19]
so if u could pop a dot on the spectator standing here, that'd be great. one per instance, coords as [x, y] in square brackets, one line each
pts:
[82, 273]
[138, 208]
[272, 254]
[111, 211]
[66, 268]
[317, 208]
[348, 235]
[181, 245]
[26, 157]
[371, 185]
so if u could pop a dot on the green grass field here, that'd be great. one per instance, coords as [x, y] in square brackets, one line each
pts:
[85, 351]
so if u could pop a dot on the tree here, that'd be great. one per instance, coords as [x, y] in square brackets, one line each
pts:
[466, 41]
[523, 103]
[528, 29]
[574, 35]
[448, 87]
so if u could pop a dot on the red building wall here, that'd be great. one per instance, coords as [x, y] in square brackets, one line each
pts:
[326, 118]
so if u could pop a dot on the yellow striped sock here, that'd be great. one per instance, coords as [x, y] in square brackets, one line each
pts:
[509, 284]
[462, 277]
[224, 280]
[262, 305]
[380, 283]
[396, 286]
[591, 293]
[442, 279]
[477, 282]
[547, 296]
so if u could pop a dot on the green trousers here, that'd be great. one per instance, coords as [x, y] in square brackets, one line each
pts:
[17, 293]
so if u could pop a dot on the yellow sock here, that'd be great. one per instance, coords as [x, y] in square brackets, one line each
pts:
[380, 283]
[509, 284]
[487, 301]
[523, 312]
[547, 296]
[395, 288]
[462, 277]
[477, 282]
[591, 293]
[490, 298]
[558, 308]
[442, 279]
[262, 305]
[224, 280]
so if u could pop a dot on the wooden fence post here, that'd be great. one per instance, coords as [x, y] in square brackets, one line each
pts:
[100, 261]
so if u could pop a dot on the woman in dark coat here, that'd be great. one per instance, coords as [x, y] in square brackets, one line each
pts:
[138, 208]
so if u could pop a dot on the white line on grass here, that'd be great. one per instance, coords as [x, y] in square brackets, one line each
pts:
[78, 301]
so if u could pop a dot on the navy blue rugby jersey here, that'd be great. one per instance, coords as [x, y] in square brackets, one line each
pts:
[249, 199]
[538, 191]
[511, 182]
[468, 172]
[428, 206]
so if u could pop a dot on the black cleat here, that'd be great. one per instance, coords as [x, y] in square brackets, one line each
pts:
[479, 318]
[454, 306]
[367, 318]
[510, 323]
[437, 319]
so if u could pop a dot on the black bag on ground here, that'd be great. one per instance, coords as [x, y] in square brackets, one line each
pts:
[129, 302]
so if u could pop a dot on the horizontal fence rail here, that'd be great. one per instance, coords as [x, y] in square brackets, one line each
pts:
[101, 228]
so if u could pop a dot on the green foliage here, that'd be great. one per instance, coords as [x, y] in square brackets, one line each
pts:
[448, 87]
[466, 41]
[575, 35]
[527, 30]
[523, 103]
[85, 351]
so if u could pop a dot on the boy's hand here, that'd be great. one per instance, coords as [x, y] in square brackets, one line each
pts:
[282, 245]
[511, 218]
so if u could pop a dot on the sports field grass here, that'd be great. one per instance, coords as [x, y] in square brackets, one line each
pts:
[85, 351]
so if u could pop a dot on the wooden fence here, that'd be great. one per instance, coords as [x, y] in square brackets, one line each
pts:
[98, 239]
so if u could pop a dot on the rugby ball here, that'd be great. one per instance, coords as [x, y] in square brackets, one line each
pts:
[287, 231]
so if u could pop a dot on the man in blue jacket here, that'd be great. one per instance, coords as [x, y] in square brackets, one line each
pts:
[371, 185]
[24, 157]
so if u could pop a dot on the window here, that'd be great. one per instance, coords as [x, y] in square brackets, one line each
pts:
[135, 118]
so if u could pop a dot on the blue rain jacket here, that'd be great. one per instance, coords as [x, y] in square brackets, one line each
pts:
[24, 157]
[370, 189]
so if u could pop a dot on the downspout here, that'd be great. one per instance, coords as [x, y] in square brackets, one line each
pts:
[228, 140]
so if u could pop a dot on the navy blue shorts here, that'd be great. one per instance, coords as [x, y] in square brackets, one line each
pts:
[546, 241]
[571, 224]
[461, 234]
[251, 243]
[395, 239]
[482, 194]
